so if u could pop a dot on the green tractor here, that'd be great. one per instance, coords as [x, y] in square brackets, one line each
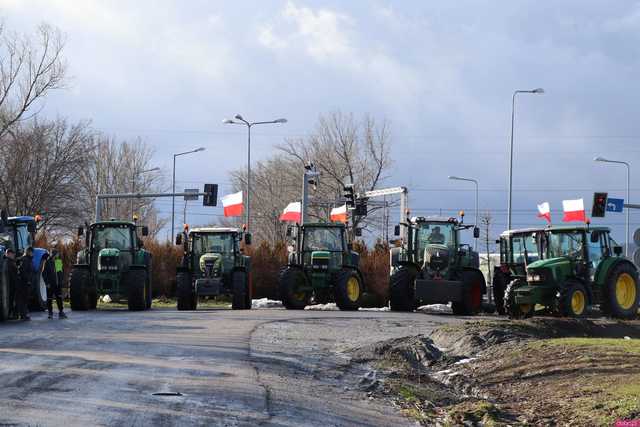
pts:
[518, 248]
[322, 267]
[434, 267]
[580, 266]
[112, 263]
[213, 264]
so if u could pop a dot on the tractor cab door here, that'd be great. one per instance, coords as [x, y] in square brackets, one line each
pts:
[598, 249]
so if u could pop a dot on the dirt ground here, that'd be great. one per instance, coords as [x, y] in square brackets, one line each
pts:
[543, 371]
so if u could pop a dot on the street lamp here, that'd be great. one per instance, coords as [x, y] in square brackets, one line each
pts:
[458, 178]
[602, 159]
[133, 181]
[243, 122]
[513, 113]
[173, 181]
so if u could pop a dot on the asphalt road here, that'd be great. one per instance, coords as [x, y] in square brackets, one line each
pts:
[257, 367]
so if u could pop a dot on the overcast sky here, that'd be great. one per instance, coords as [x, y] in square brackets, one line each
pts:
[442, 72]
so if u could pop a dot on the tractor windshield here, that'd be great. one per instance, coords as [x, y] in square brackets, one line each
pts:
[524, 248]
[566, 243]
[322, 239]
[112, 236]
[23, 237]
[440, 233]
[218, 243]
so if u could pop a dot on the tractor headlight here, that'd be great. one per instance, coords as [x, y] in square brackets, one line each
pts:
[535, 277]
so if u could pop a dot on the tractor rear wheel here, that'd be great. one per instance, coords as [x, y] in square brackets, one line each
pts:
[499, 286]
[291, 281]
[5, 306]
[513, 310]
[622, 292]
[79, 283]
[187, 298]
[472, 298]
[149, 291]
[240, 288]
[348, 290]
[573, 300]
[134, 281]
[401, 289]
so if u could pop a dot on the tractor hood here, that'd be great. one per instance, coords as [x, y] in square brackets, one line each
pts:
[108, 259]
[549, 263]
[210, 257]
[109, 252]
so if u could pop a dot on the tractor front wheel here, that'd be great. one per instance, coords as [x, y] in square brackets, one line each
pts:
[499, 285]
[240, 290]
[134, 281]
[573, 300]
[79, 283]
[513, 310]
[402, 290]
[622, 293]
[291, 284]
[187, 298]
[472, 298]
[348, 290]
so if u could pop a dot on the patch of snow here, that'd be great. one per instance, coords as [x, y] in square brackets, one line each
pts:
[435, 308]
[106, 299]
[467, 360]
[627, 338]
[374, 309]
[322, 307]
[265, 303]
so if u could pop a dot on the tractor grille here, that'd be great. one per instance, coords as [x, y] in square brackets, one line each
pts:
[436, 259]
[108, 263]
[320, 264]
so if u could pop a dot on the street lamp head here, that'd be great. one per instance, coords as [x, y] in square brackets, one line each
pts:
[453, 177]
[199, 149]
[283, 120]
[238, 117]
[599, 159]
[227, 122]
[538, 90]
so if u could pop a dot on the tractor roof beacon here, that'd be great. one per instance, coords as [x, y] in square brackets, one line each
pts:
[322, 267]
[18, 233]
[579, 266]
[432, 266]
[113, 262]
[213, 264]
[518, 248]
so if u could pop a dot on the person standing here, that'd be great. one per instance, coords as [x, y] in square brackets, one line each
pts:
[59, 268]
[26, 274]
[53, 287]
[12, 277]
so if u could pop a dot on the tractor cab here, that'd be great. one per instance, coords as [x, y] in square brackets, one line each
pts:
[321, 247]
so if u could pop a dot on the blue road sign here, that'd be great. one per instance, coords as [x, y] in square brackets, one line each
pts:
[615, 205]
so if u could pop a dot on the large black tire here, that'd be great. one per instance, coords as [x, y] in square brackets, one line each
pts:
[291, 279]
[79, 284]
[472, 298]
[5, 304]
[38, 291]
[500, 281]
[513, 310]
[134, 281]
[149, 291]
[187, 298]
[574, 300]
[240, 287]
[621, 295]
[402, 289]
[348, 290]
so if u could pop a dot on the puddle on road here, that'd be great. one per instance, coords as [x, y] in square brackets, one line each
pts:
[167, 393]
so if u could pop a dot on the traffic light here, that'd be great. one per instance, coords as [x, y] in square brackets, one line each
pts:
[349, 195]
[599, 205]
[361, 207]
[211, 196]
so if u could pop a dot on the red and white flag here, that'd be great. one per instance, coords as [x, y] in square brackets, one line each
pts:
[291, 212]
[232, 204]
[573, 210]
[339, 214]
[544, 211]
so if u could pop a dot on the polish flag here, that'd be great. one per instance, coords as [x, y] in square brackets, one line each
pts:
[292, 212]
[339, 214]
[544, 211]
[232, 204]
[573, 210]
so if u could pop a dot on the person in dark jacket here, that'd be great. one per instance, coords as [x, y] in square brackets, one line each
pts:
[13, 279]
[26, 273]
[53, 288]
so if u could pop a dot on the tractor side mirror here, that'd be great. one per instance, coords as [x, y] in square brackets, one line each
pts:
[617, 250]
[595, 237]
[140, 243]
[289, 231]
[31, 227]
[3, 220]
[145, 231]
[179, 239]
[476, 232]
[247, 238]
[80, 231]
[358, 232]
[396, 230]
[497, 241]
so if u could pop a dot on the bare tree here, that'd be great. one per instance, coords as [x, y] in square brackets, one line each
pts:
[30, 67]
[486, 220]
